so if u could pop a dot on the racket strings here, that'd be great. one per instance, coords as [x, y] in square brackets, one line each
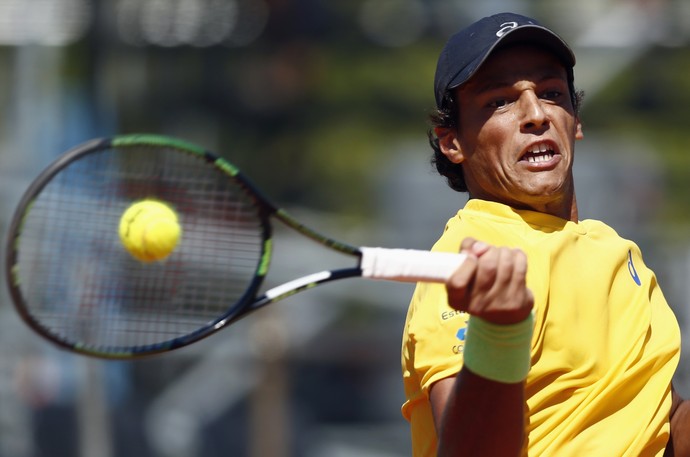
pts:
[83, 287]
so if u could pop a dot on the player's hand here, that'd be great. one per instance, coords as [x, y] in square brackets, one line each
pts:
[491, 283]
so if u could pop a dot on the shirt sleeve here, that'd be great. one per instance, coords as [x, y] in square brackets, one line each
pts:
[436, 333]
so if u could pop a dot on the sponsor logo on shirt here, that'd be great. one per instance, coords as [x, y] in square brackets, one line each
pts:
[445, 315]
[460, 335]
[632, 270]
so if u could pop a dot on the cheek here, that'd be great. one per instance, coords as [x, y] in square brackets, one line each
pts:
[488, 151]
[497, 131]
[486, 167]
[492, 146]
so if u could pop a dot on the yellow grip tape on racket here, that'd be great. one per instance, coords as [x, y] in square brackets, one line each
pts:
[499, 352]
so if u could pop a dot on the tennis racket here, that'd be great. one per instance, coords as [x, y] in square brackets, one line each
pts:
[74, 283]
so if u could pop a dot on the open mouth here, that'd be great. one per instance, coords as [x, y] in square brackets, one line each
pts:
[539, 153]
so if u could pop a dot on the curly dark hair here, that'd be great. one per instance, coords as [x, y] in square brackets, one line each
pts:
[447, 117]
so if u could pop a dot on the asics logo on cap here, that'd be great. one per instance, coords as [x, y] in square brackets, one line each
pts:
[505, 27]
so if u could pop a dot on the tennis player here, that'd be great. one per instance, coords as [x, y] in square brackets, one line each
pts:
[554, 339]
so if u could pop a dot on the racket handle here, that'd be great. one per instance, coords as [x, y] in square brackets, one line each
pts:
[409, 265]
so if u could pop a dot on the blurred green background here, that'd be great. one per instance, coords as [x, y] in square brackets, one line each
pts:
[324, 104]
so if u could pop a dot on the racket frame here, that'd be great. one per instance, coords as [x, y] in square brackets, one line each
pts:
[249, 300]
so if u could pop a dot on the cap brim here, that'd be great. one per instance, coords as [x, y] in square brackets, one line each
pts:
[528, 34]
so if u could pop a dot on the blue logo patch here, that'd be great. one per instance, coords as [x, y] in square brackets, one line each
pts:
[461, 333]
[632, 270]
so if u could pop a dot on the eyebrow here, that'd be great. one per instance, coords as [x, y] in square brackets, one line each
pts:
[492, 84]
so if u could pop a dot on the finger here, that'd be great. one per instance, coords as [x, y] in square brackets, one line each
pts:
[505, 269]
[466, 244]
[471, 245]
[520, 266]
[518, 284]
[499, 292]
[459, 286]
[487, 270]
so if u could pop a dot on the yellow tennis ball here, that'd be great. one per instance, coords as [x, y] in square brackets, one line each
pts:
[149, 230]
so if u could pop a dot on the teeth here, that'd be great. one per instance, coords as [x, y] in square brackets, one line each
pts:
[539, 158]
[542, 153]
[539, 148]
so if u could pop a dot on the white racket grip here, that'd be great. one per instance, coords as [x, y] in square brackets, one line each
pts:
[409, 265]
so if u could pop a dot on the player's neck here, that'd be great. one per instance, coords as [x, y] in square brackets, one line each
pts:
[573, 210]
[564, 209]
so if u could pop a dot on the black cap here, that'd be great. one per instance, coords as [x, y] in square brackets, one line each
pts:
[468, 49]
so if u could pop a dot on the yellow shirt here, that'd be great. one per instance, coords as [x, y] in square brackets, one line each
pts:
[605, 344]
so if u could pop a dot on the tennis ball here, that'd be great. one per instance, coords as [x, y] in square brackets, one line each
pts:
[149, 230]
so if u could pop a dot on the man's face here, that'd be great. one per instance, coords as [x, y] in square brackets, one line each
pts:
[517, 130]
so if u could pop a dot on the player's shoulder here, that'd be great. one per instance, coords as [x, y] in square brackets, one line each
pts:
[598, 227]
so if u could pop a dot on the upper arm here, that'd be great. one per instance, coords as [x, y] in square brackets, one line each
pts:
[679, 444]
[438, 397]
[676, 400]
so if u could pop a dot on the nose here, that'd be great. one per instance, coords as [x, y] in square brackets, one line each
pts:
[532, 111]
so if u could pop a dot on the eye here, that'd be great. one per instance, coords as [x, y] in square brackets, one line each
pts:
[552, 94]
[498, 103]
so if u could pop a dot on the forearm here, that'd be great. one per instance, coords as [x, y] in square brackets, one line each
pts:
[482, 417]
[481, 410]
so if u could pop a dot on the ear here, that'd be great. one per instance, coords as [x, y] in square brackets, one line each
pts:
[449, 144]
[578, 130]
